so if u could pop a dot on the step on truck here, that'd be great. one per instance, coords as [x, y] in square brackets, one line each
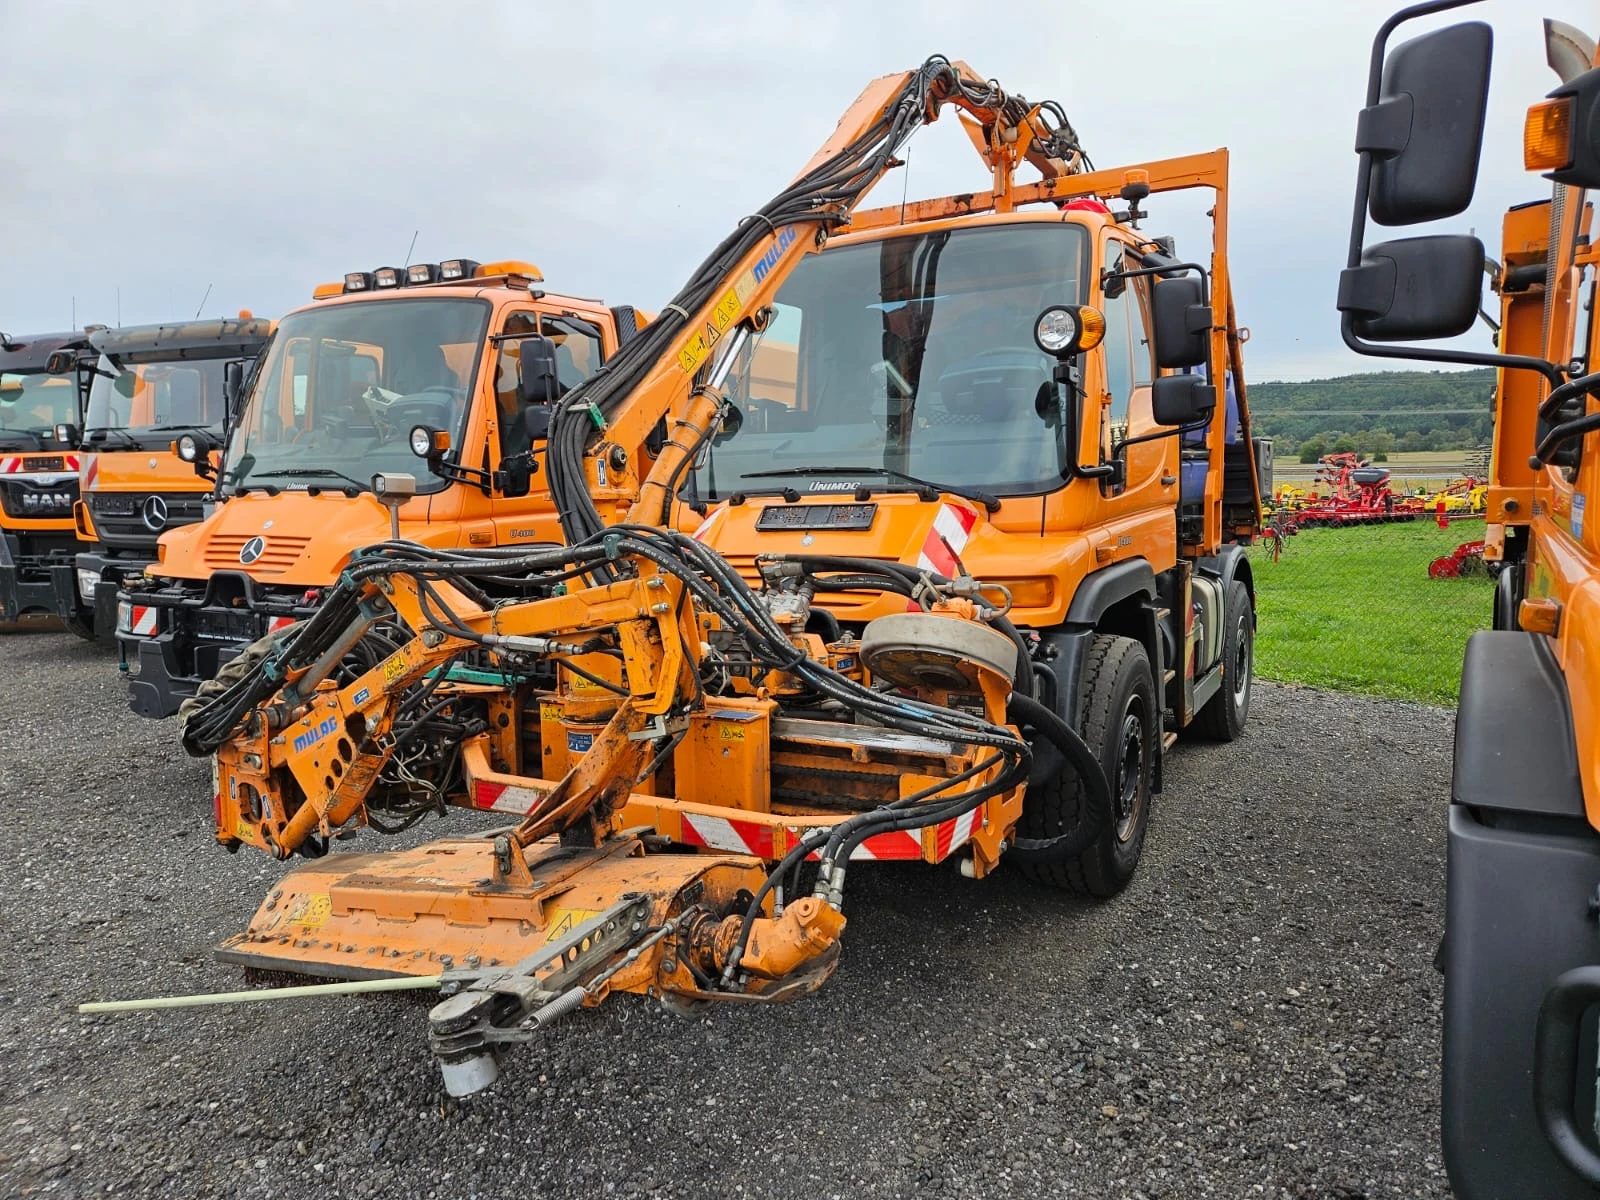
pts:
[332, 401]
[1521, 947]
[151, 384]
[42, 383]
[968, 499]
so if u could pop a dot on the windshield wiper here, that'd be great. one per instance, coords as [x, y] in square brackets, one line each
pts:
[100, 435]
[179, 428]
[928, 489]
[314, 473]
[37, 439]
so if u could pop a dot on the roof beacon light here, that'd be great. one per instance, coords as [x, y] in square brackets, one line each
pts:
[1547, 135]
[511, 266]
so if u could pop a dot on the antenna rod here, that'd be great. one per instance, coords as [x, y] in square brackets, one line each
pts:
[203, 300]
[119, 306]
[411, 247]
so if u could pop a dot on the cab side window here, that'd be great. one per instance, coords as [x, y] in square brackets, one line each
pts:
[1129, 355]
[578, 357]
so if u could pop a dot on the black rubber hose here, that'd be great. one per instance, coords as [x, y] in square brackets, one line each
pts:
[831, 631]
[1028, 713]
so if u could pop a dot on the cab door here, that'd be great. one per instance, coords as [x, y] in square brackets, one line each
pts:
[1148, 484]
[579, 351]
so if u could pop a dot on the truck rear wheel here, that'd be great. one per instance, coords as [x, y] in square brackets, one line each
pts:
[1224, 716]
[82, 624]
[1118, 721]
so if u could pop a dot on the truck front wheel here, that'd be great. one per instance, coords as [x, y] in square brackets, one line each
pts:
[1118, 721]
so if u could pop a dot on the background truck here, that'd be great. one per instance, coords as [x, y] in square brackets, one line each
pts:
[151, 384]
[332, 401]
[41, 410]
[1521, 948]
[679, 733]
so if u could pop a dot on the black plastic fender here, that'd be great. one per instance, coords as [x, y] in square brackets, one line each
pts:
[1523, 866]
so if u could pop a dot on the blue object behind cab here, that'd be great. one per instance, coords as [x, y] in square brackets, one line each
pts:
[1192, 474]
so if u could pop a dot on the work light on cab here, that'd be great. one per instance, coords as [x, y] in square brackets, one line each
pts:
[388, 277]
[1065, 329]
[420, 273]
[189, 448]
[428, 443]
[358, 281]
[457, 268]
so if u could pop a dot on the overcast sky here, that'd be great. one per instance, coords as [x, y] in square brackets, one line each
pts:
[158, 148]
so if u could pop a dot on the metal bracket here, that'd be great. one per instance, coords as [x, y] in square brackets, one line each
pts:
[499, 1008]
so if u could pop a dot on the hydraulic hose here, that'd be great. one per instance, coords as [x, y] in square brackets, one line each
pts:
[1028, 713]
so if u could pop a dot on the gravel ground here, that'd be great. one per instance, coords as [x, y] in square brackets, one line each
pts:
[1256, 1016]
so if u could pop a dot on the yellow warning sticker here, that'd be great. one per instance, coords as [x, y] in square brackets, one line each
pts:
[723, 315]
[565, 920]
[693, 354]
[726, 312]
[549, 712]
[312, 911]
[730, 733]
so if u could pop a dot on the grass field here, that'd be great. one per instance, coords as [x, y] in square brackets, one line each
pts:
[1354, 609]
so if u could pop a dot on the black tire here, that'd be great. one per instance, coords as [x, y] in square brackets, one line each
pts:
[1224, 716]
[1117, 719]
[82, 624]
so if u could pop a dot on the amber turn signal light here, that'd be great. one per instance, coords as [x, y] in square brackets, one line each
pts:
[1547, 135]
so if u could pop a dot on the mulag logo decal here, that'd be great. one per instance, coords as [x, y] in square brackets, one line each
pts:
[315, 734]
[770, 259]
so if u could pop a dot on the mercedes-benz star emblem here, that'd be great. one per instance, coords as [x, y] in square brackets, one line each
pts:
[155, 514]
[252, 550]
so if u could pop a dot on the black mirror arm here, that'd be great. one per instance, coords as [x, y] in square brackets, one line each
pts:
[1511, 362]
[1165, 270]
[1176, 431]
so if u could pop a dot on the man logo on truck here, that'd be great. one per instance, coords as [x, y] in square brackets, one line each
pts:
[252, 550]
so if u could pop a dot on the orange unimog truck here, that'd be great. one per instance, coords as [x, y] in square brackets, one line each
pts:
[151, 384]
[42, 382]
[1521, 947]
[468, 356]
[976, 667]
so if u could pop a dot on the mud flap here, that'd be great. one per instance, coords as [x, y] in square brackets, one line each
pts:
[1518, 919]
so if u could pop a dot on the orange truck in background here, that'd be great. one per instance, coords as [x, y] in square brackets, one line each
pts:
[150, 384]
[468, 356]
[1521, 947]
[42, 388]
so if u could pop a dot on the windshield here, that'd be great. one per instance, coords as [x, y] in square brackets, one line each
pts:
[913, 354]
[37, 403]
[156, 395]
[340, 388]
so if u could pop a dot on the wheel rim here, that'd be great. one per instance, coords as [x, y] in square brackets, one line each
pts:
[1241, 662]
[1128, 792]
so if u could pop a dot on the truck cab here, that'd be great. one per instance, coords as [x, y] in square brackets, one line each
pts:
[151, 384]
[905, 403]
[41, 411]
[468, 357]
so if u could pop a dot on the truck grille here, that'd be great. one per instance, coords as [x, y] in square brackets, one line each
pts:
[131, 517]
[279, 554]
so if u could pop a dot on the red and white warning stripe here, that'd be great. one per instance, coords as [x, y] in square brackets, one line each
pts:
[709, 523]
[277, 623]
[952, 526]
[144, 621]
[505, 798]
[91, 469]
[755, 837]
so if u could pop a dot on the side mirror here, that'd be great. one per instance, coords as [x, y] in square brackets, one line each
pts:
[233, 386]
[68, 435]
[536, 382]
[1182, 322]
[61, 362]
[1425, 132]
[1179, 400]
[535, 421]
[1414, 288]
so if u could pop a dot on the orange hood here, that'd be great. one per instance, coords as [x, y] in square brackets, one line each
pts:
[127, 470]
